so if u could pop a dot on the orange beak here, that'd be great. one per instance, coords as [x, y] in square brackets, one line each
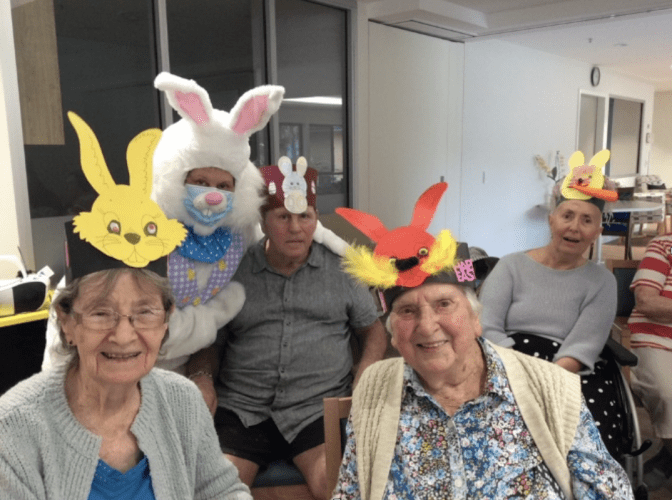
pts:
[603, 194]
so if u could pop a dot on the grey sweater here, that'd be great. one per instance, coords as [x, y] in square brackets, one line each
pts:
[45, 453]
[574, 307]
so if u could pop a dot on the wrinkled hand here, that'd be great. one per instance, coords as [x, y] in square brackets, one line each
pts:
[207, 387]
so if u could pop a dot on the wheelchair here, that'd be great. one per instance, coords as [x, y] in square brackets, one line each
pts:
[632, 445]
[616, 357]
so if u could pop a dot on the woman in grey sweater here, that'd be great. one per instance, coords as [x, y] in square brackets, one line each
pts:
[109, 423]
[552, 302]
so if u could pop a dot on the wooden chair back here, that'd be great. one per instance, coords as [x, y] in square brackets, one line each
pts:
[335, 411]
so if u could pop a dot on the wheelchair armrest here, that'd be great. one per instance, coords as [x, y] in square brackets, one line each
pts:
[620, 354]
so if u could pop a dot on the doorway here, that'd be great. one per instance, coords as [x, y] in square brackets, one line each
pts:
[624, 136]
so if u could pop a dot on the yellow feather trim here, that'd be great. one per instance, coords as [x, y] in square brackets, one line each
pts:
[442, 254]
[370, 269]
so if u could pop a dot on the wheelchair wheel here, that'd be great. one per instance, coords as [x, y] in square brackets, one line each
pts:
[641, 493]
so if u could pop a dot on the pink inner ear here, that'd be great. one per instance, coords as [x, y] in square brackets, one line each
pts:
[251, 114]
[191, 104]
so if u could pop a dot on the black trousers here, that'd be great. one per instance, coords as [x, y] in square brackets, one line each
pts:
[599, 389]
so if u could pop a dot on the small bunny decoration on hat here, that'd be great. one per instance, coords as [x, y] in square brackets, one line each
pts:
[293, 189]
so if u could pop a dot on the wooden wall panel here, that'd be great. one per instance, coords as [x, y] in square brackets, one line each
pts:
[38, 72]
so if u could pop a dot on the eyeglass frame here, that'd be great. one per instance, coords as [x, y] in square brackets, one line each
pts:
[80, 317]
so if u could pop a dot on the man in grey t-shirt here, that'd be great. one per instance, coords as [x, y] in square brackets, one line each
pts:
[289, 346]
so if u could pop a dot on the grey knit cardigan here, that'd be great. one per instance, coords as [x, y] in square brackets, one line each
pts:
[46, 454]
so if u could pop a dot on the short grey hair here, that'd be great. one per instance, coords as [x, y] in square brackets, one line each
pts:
[468, 292]
[67, 296]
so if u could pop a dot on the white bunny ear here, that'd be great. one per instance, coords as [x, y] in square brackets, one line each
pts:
[301, 166]
[253, 110]
[285, 165]
[186, 97]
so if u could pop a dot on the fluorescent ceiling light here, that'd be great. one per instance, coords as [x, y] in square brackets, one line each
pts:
[329, 101]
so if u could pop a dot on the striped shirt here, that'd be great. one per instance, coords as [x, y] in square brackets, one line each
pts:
[655, 271]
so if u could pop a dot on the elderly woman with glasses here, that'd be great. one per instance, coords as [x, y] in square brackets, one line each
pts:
[107, 424]
[456, 416]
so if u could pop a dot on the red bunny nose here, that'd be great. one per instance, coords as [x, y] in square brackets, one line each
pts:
[213, 198]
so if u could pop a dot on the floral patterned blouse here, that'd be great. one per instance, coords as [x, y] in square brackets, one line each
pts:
[483, 451]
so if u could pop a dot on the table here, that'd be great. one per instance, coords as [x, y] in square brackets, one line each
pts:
[22, 343]
[630, 206]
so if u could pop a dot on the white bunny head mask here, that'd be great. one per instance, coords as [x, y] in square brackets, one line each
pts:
[207, 137]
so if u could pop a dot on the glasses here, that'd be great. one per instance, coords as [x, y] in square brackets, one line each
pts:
[107, 319]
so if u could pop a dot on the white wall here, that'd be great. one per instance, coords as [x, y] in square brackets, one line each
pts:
[661, 150]
[14, 220]
[519, 102]
[415, 124]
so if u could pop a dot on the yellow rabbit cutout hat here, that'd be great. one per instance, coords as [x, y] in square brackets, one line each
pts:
[124, 223]
[586, 182]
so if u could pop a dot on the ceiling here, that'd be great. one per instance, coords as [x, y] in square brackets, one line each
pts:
[630, 37]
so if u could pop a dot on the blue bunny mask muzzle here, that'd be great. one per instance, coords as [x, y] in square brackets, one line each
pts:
[207, 205]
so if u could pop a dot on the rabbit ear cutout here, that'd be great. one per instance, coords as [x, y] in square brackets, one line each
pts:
[186, 97]
[576, 160]
[285, 165]
[301, 166]
[255, 108]
[93, 163]
[368, 224]
[600, 159]
[425, 207]
[139, 156]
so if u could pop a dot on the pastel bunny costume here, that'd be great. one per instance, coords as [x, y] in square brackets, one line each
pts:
[207, 137]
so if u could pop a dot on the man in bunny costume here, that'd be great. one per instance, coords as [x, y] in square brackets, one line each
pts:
[204, 178]
[221, 222]
[289, 346]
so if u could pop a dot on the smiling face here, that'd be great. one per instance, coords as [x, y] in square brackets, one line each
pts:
[122, 354]
[289, 235]
[435, 329]
[575, 225]
[211, 177]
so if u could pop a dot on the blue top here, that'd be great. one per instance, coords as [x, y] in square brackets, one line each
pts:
[110, 484]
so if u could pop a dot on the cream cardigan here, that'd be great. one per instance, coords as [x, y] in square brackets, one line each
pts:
[548, 397]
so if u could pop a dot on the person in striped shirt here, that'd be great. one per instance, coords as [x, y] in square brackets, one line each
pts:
[651, 327]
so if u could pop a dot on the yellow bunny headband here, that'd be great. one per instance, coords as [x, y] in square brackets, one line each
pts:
[124, 228]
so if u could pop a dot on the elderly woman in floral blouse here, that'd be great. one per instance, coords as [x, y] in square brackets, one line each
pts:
[459, 417]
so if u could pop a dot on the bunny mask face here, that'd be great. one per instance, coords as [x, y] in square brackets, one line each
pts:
[408, 256]
[207, 205]
[207, 137]
[124, 223]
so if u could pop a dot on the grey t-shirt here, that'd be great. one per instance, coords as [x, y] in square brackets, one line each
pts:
[289, 346]
[576, 307]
